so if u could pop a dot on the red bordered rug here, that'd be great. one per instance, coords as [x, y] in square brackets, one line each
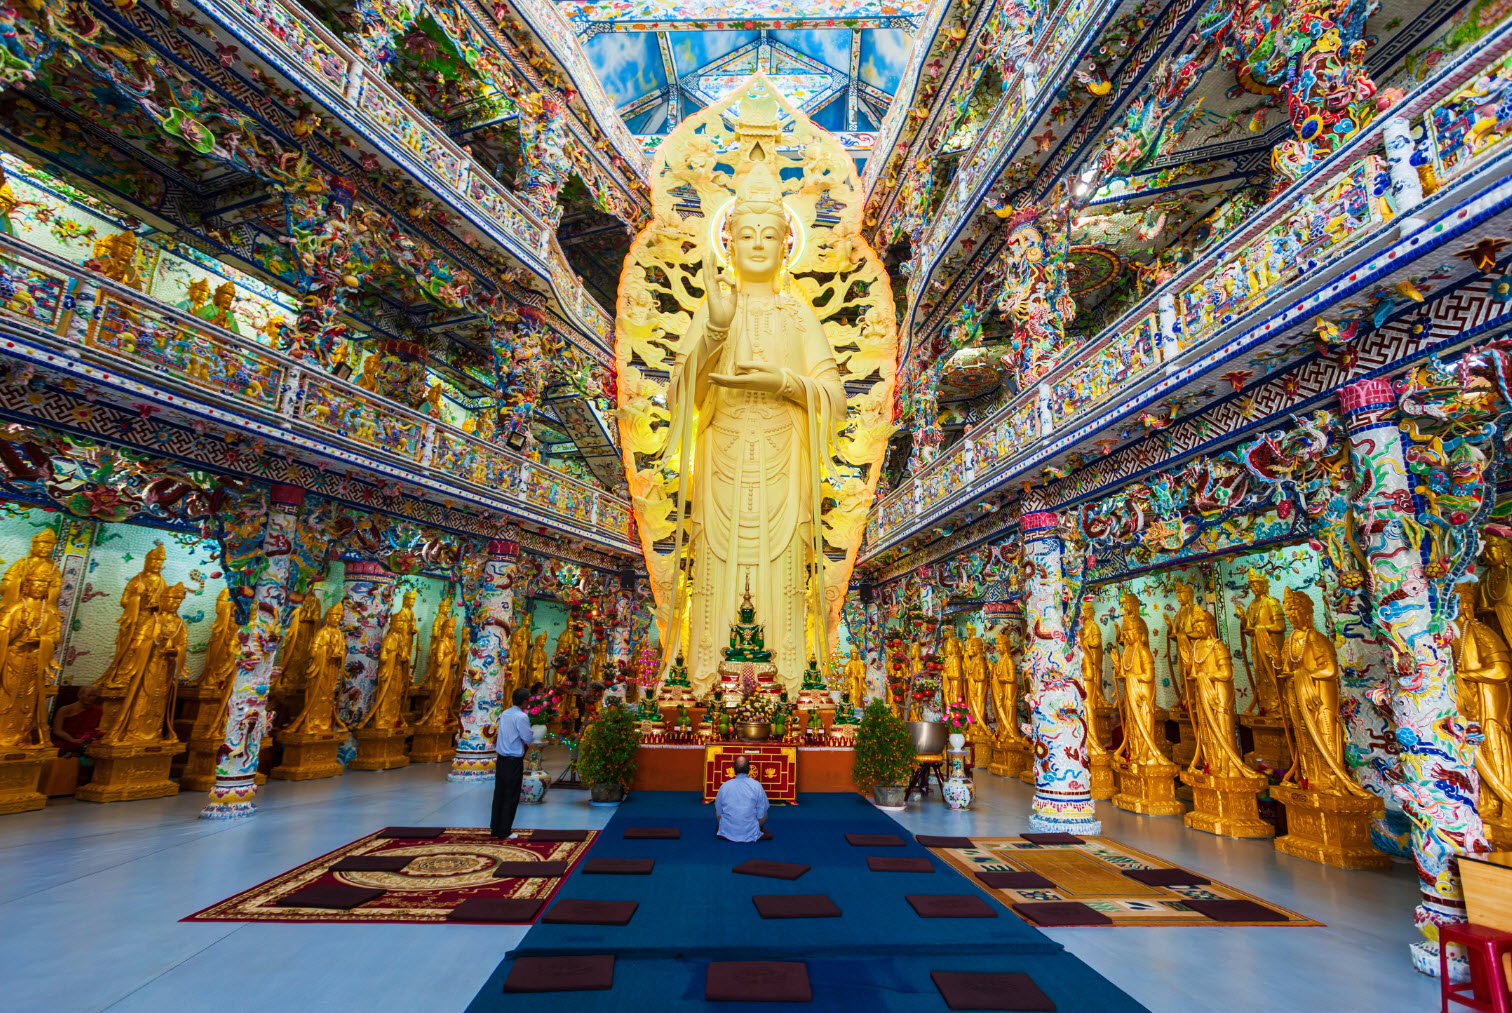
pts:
[442, 873]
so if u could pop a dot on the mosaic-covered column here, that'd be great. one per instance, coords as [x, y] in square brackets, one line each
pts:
[367, 597]
[271, 561]
[1365, 703]
[1438, 789]
[1062, 782]
[490, 621]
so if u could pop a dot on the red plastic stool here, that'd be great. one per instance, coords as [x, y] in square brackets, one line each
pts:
[1486, 991]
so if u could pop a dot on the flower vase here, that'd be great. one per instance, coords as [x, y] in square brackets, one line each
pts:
[959, 789]
[957, 740]
[538, 733]
[535, 781]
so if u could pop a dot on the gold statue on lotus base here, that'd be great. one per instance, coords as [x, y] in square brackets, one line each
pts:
[1100, 709]
[1262, 627]
[435, 739]
[310, 741]
[1483, 668]
[1224, 789]
[29, 635]
[754, 292]
[1328, 815]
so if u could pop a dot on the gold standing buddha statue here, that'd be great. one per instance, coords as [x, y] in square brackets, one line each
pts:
[437, 634]
[29, 632]
[326, 661]
[136, 610]
[440, 711]
[1263, 627]
[1091, 639]
[1483, 667]
[978, 684]
[151, 669]
[222, 651]
[1146, 776]
[566, 643]
[1179, 654]
[855, 678]
[36, 563]
[1328, 815]
[540, 665]
[519, 658]
[296, 650]
[952, 675]
[1011, 750]
[1496, 586]
[396, 667]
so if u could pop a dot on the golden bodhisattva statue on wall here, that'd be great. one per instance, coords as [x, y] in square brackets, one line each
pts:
[208, 699]
[381, 733]
[1011, 750]
[29, 634]
[295, 665]
[977, 679]
[311, 741]
[38, 564]
[137, 742]
[1099, 708]
[1146, 776]
[1328, 815]
[1224, 788]
[540, 665]
[855, 678]
[435, 732]
[1483, 668]
[1179, 653]
[1495, 586]
[1263, 627]
[952, 666]
[136, 604]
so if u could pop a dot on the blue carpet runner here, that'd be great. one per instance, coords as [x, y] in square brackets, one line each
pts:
[693, 909]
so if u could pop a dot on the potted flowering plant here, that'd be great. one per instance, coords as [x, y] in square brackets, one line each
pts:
[883, 756]
[541, 709]
[753, 717]
[958, 719]
[606, 754]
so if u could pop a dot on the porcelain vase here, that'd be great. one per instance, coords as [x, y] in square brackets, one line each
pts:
[957, 740]
[535, 781]
[959, 789]
[538, 733]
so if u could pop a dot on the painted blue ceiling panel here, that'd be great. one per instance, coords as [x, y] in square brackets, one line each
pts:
[830, 47]
[629, 64]
[692, 50]
[884, 54]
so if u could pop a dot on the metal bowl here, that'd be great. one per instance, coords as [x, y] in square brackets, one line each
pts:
[754, 731]
[929, 737]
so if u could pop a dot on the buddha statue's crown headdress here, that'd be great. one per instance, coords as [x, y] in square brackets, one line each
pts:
[759, 193]
[157, 554]
[1255, 574]
[1300, 602]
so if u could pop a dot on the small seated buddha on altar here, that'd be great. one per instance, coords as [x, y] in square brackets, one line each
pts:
[747, 654]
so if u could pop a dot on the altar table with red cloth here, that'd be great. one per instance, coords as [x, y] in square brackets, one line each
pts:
[680, 766]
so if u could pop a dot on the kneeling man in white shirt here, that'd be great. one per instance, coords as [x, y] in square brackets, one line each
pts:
[740, 808]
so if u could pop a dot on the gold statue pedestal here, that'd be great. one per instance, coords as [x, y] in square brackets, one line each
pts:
[1330, 829]
[130, 772]
[814, 700]
[433, 745]
[308, 755]
[1100, 775]
[1499, 831]
[190, 699]
[20, 775]
[1226, 806]
[1010, 759]
[199, 767]
[380, 748]
[982, 749]
[1147, 788]
[1270, 740]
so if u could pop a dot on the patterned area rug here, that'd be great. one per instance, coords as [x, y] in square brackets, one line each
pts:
[1092, 873]
[443, 872]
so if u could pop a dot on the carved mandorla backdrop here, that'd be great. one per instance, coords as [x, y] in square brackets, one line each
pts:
[829, 264]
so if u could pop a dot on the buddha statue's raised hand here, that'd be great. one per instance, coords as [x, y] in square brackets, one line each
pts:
[721, 302]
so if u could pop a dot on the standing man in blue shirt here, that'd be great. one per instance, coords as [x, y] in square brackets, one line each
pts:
[509, 765]
[740, 808]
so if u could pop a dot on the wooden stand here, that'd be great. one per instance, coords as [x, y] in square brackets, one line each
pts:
[309, 755]
[1100, 771]
[1270, 740]
[380, 749]
[1330, 829]
[433, 745]
[21, 777]
[1226, 805]
[128, 773]
[199, 768]
[1009, 760]
[1148, 789]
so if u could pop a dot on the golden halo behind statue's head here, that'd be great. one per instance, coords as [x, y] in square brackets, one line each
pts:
[752, 147]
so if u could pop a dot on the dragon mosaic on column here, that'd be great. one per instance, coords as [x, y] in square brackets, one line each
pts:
[828, 265]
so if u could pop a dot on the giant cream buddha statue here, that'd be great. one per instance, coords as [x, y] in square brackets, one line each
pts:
[136, 604]
[1311, 668]
[757, 371]
[35, 564]
[325, 662]
[1210, 673]
[29, 633]
[1136, 671]
[1483, 668]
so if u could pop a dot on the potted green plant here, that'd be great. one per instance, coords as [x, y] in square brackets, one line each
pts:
[606, 754]
[883, 756]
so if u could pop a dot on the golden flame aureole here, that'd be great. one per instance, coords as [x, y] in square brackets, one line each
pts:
[753, 149]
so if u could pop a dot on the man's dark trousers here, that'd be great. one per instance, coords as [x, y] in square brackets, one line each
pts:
[509, 775]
